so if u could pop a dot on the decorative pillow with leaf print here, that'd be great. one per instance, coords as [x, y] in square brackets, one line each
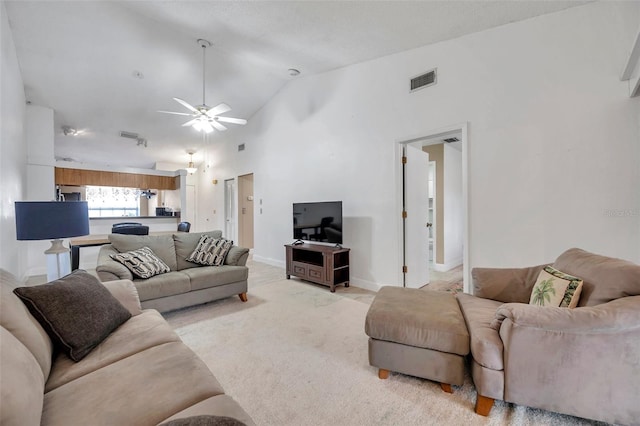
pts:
[555, 288]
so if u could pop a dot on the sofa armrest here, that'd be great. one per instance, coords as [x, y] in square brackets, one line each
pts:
[509, 285]
[617, 315]
[574, 361]
[237, 256]
[126, 293]
[108, 269]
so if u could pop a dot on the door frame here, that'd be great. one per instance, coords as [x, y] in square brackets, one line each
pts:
[461, 128]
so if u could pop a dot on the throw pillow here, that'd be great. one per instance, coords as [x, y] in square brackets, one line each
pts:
[77, 311]
[555, 288]
[204, 420]
[210, 251]
[142, 263]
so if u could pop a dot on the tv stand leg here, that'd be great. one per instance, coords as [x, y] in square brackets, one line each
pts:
[288, 276]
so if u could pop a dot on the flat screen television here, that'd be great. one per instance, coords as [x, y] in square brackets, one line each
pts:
[318, 222]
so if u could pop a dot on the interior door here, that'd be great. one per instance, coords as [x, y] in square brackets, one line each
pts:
[245, 210]
[229, 209]
[416, 206]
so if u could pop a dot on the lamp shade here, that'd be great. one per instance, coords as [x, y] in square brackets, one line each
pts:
[49, 220]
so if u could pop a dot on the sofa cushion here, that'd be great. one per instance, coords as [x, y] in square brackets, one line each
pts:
[21, 383]
[163, 285]
[143, 263]
[210, 251]
[77, 311]
[555, 288]
[186, 243]
[143, 389]
[139, 333]
[213, 276]
[15, 317]
[161, 245]
[486, 345]
[605, 278]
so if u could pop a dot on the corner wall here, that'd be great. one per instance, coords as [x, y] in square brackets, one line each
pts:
[553, 143]
[13, 154]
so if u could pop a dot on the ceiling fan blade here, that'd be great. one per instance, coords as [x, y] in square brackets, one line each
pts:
[218, 109]
[231, 120]
[217, 125]
[176, 113]
[186, 105]
[191, 122]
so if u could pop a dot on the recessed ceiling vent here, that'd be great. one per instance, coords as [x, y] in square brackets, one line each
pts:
[129, 135]
[450, 140]
[425, 80]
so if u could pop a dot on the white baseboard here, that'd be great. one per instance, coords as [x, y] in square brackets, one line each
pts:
[444, 267]
[269, 261]
[365, 284]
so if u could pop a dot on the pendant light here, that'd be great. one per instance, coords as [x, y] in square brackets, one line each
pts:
[191, 168]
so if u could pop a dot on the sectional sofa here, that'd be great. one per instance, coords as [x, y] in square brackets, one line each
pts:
[140, 374]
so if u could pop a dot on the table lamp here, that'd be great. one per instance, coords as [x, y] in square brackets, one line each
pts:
[52, 220]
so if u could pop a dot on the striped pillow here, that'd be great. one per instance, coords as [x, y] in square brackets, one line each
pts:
[143, 262]
[210, 251]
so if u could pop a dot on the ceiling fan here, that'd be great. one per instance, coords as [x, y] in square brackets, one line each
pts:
[147, 193]
[206, 118]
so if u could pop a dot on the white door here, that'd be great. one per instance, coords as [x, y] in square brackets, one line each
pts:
[229, 209]
[416, 201]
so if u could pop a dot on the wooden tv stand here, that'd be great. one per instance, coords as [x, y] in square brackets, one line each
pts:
[319, 264]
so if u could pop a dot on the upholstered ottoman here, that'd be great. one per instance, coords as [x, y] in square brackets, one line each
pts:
[418, 332]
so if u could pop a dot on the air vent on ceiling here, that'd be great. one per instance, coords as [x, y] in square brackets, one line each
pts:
[425, 80]
[241, 147]
[450, 140]
[129, 135]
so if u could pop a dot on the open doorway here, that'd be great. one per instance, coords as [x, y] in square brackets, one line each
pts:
[447, 211]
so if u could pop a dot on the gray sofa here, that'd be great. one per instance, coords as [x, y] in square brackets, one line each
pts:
[583, 362]
[141, 374]
[187, 283]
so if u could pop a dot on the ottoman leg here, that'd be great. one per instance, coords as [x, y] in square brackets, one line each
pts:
[446, 387]
[383, 374]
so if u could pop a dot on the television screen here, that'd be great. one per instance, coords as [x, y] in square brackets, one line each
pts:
[320, 222]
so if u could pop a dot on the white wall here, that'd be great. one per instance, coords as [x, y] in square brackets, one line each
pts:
[453, 208]
[13, 152]
[40, 175]
[553, 143]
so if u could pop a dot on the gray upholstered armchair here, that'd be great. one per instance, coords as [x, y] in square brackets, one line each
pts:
[583, 362]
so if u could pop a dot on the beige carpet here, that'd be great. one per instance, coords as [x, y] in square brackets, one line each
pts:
[296, 354]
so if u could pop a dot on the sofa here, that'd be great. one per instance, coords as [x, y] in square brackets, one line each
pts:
[583, 361]
[186, 283]
[141, 374]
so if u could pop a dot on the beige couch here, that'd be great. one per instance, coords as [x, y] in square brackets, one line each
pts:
[188, 283]
[142, 374]
[583, 362]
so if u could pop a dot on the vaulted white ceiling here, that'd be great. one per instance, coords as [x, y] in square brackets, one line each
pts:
[80, 58]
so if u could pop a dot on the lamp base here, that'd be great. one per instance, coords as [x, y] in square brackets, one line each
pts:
[58, 260]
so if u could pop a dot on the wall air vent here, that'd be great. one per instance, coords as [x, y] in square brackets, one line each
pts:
[450, 140]
[241, 147]
[425, 80]
[129, 135]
